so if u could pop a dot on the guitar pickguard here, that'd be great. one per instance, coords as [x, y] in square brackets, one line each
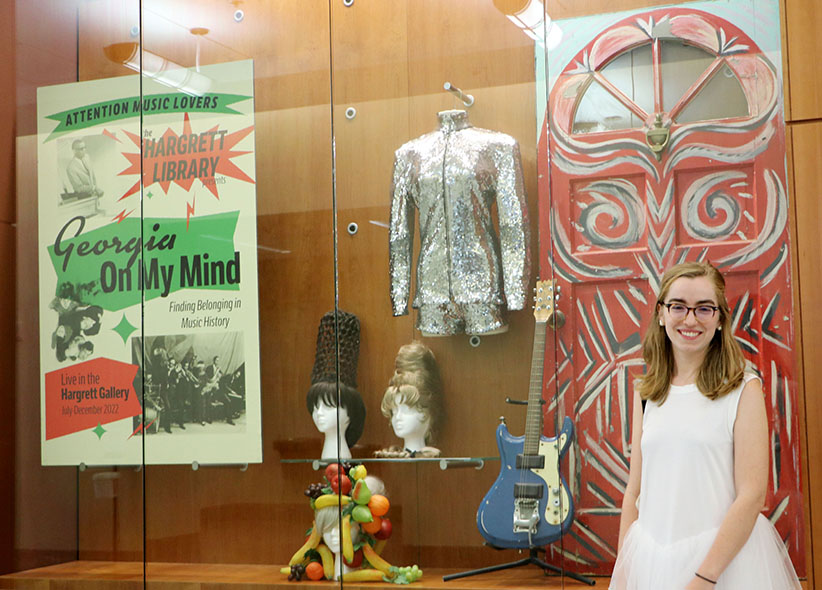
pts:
[559, 503]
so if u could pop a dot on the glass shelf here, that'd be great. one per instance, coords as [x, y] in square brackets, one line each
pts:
[444, 462]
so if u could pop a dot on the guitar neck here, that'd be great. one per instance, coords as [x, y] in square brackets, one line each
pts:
[533, 417]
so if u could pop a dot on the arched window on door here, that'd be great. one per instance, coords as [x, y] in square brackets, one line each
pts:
[694, 85]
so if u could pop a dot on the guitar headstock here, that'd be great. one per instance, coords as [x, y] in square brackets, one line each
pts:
[544, 301]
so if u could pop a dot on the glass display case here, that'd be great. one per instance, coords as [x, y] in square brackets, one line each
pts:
[421, 240]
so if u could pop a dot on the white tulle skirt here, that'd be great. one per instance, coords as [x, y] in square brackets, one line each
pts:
[761, 564]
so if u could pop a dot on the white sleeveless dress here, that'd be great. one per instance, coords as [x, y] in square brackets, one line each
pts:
[687, 488]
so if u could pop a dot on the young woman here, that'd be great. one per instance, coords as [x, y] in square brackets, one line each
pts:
[699, 465]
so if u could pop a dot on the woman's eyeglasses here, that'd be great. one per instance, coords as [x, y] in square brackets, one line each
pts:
[679, 311]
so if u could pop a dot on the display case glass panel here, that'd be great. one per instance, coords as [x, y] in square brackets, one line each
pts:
[421, 240]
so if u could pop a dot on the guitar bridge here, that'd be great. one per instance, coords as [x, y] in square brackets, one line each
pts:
[526, 515]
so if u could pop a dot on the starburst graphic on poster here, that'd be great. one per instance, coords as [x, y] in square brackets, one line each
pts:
[184, 158]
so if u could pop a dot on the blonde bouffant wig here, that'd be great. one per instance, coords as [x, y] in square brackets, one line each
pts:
[416, 383]
[723, 367]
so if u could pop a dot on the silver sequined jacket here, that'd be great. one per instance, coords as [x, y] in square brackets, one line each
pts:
[453, 177]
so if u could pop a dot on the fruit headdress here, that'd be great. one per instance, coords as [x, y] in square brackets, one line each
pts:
[364, 529]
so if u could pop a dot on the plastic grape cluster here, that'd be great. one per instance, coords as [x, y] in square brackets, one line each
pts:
[406, 575]
[314, 490]
[297, 572]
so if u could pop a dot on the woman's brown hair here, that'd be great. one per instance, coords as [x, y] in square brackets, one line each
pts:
[723, 367]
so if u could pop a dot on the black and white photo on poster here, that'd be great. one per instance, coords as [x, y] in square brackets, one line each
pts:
[190, 384]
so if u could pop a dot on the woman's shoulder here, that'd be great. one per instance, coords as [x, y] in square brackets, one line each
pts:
[751, 373]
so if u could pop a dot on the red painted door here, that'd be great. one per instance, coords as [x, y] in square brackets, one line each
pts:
[615, 212]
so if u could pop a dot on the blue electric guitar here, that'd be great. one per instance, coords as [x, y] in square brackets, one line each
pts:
[529, 504]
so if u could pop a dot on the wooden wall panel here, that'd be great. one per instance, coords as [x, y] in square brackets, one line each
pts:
[45, 52]
[45, 523]
[806, 155]
[804, 45]
[800, 375]
[7, 113]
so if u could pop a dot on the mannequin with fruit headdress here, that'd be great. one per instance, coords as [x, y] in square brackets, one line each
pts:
[413, 402]
[335, 404]
[327, 521]
[349, 531]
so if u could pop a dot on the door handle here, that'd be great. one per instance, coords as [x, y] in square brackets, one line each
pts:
[657, 137]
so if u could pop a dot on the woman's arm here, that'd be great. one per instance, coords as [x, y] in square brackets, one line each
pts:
[629, 510]
[751, 480]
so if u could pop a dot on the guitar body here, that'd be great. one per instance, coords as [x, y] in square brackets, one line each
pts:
[501, 520]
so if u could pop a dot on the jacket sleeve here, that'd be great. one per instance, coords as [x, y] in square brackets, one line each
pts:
[80, 180]
[514, 229]
[401, 234]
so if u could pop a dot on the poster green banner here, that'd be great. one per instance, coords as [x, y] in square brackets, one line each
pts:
[118, 109]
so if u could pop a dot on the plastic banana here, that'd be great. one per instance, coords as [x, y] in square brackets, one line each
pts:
[375, 560]
[328, 561]
[363, 576]
[310, 543]
[347, 544]
[327, 500]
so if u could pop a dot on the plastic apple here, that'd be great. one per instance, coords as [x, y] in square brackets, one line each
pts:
[385, 530]
[341, 484]
[333, 470]
[357, 561]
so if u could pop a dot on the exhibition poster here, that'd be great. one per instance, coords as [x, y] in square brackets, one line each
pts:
[149, 325]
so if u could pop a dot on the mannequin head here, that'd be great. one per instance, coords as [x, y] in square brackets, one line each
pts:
[323, 395]
[409, 421]
[327, 521]
[409, 411]
[325, 418]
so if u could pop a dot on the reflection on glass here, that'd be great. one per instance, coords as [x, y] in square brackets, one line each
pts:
[681, 65]
[721, 98]
[633, 73]
[599, 110]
